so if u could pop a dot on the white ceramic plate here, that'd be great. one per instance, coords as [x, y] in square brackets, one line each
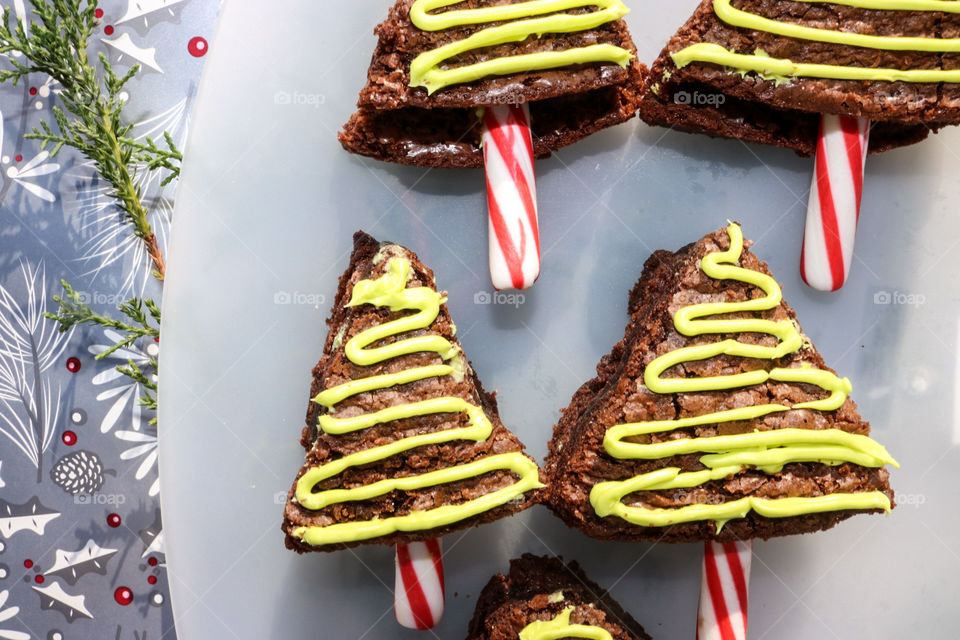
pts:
[264, 217]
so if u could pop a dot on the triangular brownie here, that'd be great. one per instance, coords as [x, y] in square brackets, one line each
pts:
[765, 70]
[438, 61]
[715, 417]
[542, 598]
[403, 444]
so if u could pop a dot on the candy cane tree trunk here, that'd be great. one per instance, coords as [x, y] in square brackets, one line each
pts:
[835, 196]
[724, 591]
[511, 197]
[418, 588]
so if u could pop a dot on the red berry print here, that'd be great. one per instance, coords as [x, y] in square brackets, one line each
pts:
[152, 579]
[28, 563]
[38, 579]
[108, 29]
[152, 561]
[33, 91]
[69, 438]
[98, 14]
[197, 46]
[73, 364]
[18, 158]
[123, 596]
[114, 520]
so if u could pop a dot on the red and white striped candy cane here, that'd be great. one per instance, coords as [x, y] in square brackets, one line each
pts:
[511, 197]
[418, 588]
[835, 196]
[724, 591]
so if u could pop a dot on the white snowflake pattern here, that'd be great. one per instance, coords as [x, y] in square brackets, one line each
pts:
[6, 614]
[124, 391]
[145, 446]
[33, 168]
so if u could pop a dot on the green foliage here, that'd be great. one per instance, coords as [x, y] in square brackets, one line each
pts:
[141, 319]
[91, 120]
[56, 43]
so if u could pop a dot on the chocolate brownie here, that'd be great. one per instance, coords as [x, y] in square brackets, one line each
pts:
[401, 123]
[370, 261]
[578, 458]
[705, 97]
[540, 589]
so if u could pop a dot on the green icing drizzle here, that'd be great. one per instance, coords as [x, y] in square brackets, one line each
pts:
[780, 69]
[534, 17]
[739, 18]
[560, 627]
[390, 291]
[727, 455]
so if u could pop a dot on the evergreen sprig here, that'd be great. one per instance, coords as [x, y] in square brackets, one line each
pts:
[156, 158]
[142, 320]
[56, 44]
[149, 397]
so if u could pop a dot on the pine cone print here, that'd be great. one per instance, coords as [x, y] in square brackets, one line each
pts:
[78, 472]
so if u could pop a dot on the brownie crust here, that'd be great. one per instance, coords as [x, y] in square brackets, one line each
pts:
[577, 460]
[334, 368]
[449, 137]
[400, 123]
[787, 114]
[510, 602]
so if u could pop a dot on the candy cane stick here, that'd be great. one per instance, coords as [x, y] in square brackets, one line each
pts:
[834, 208]
[418, 587]
[511, 197]
[723, 592]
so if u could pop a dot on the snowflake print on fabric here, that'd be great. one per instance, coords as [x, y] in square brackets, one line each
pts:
[49, 86]
[5, 615]
[123, 391]
[145, 446]
[33, 168]
[24, 174]
[81, 539]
